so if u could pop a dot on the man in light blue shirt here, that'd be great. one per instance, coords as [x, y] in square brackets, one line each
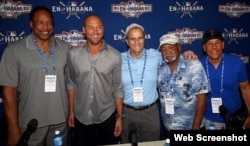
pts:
[139, 77]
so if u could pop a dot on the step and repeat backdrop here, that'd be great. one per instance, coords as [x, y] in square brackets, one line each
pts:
[188, 19]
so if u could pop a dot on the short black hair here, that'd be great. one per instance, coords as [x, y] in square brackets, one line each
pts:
[40, 8]
[91, 15]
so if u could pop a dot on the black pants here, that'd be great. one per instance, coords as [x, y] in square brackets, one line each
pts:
[3, 132]
[96, 134]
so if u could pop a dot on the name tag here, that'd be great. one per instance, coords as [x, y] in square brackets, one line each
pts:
[138, 94]
[216, 102]
[50, 83]
[169, 105]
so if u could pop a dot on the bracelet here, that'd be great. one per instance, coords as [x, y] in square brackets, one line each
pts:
[119, 116]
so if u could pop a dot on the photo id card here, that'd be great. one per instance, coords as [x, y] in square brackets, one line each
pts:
[50, 83]
[138, 94]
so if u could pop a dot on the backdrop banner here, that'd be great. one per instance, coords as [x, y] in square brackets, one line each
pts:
[187, 19]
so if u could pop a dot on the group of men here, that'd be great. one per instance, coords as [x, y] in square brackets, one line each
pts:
[102, 92]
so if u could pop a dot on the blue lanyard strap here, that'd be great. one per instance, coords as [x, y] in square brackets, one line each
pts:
[45, 66]
[144, 66]
[222, 75]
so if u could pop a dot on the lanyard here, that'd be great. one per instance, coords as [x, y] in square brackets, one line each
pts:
[222, 74]
[45, 66]
[144, 66]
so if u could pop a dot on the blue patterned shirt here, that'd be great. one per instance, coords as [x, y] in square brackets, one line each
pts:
[187, 81]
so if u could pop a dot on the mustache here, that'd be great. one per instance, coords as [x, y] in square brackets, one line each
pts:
[173, 56]
[170, 55]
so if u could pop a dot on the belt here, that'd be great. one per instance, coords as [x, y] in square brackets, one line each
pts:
[139, 107]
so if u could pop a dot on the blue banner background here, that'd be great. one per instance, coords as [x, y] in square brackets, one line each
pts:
[158, 17]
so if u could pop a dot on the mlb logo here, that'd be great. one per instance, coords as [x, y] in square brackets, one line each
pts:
[234, 30]
[235, 4]
[74, 33]
[116, 8]
[73, 4]
[188, 4]
[11, 33]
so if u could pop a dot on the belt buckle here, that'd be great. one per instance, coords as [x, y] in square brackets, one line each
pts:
[140, 107]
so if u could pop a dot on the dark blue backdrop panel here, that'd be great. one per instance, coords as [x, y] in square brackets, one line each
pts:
[188, 19]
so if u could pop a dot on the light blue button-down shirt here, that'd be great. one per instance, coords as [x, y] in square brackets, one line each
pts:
[146, 80]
